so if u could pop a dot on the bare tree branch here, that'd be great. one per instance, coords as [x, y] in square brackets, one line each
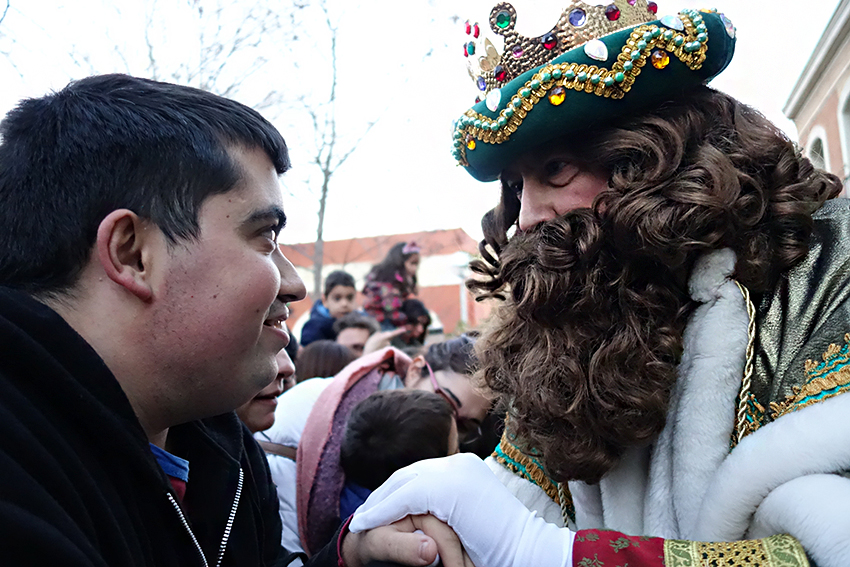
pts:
[5, 11]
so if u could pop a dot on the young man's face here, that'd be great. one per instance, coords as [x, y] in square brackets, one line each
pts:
[340, 300]
[354, 338]
[221, 300]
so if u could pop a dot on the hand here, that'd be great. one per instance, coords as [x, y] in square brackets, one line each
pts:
[401, 543]
[381, 339]
[496, 530]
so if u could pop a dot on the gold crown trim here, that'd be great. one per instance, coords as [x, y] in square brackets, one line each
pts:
[474, 128]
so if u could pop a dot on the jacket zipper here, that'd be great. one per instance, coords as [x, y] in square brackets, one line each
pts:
[227, 528]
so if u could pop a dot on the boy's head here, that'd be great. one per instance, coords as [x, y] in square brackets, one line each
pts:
[354, 330]
[392, 429]
[146, 214]
[340, 294]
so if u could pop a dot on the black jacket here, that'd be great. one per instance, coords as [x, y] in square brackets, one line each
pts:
[79, 485]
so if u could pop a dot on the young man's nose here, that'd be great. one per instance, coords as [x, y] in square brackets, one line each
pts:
[291, 285]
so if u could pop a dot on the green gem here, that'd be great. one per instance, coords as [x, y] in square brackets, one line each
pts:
[635, 55]
[516, 101]
[570, 74]
[471, 48]
[702, 38]
[535, 84]
[503, 19]
[509, 112]
[582, 76]
[557, 74]
[619, 77]
[641, 45]
[595, 79]
[679, 40]
[502, 121]
[525, 92]
[608, 81]
[668, 35]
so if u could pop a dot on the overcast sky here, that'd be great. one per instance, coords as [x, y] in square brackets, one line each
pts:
[402, 177]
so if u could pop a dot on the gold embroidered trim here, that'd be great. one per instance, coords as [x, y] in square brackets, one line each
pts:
[774, 551]
[825, 380]
[515, 460]
[591, 79]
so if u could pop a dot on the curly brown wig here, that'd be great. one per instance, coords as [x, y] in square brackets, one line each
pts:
[584, 347]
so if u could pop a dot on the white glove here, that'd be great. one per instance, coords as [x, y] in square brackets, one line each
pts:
[495, 528]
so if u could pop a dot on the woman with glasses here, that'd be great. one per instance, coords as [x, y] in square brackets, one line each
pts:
[312, 417]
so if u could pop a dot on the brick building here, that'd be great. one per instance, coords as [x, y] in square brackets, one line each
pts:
[819, 105]
[442, 271]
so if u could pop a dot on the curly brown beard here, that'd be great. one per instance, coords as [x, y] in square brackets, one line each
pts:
[583, 350]
[584, 347]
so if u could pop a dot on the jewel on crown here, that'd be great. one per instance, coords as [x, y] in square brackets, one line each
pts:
[579, 23]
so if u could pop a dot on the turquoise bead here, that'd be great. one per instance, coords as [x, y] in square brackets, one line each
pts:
[656, 32]
[619, 77]
[570, 74]
[641, 45]
[494, 127]
[517, 102]
[545, 77]
[535, 84]
[628, 66]
[458, 135]
[477, 123]
[647, 36]
[608, 81]
[679, 40]
[557, 74]
[668, 35]
[509, 112]
[582, 76]
[502, 121]
[635, 55]
[702, 38]
[525, 92]
[701, 28]
[595, 79]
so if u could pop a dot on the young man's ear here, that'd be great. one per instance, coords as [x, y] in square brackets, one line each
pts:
[121, 240]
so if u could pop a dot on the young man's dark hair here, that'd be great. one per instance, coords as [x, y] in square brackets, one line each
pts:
[392, 429]
[338, 278]
[109, 142]
[356, 320]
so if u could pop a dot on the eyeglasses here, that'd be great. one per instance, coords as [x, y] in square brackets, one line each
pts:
[468, 430]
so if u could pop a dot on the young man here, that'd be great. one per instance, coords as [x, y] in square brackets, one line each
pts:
[354, 330]
[338, 301]
[142, 298]
[672, 345]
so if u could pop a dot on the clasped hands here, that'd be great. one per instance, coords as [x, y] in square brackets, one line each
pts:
[466, 514]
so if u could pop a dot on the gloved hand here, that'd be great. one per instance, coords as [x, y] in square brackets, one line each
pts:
[496, 529]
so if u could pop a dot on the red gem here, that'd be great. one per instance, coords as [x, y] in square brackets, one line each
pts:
[653, 7]
[468, 28]
[500, 74]
[477, 30]
[465, 51]
[612, 12]
[550, 41]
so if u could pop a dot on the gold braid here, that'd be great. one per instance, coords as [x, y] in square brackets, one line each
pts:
[741, 428]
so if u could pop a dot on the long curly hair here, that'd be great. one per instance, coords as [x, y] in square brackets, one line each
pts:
[584, 346]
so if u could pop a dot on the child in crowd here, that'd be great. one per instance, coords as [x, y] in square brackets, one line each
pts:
[337, 301]
[388, 431]
[354, 330]
[322, 359]
[389, 283]
[418, 321]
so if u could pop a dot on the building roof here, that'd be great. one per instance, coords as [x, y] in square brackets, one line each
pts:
[372, 249]
[833, 37]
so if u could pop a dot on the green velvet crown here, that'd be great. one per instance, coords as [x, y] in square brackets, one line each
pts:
[593, 81]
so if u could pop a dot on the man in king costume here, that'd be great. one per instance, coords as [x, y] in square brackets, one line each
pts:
[671, 344]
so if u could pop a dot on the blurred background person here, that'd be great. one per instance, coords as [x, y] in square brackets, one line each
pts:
[338, 300]
[416, 328]
[322, 359]
[389, 283]
[258, 413]
[354, 330]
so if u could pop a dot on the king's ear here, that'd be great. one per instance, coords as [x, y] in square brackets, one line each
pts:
[122, 248]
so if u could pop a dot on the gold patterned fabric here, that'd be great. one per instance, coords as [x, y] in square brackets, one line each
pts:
[801, 343]
[774, 551]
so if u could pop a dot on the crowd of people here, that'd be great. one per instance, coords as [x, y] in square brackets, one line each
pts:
[662, 381]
